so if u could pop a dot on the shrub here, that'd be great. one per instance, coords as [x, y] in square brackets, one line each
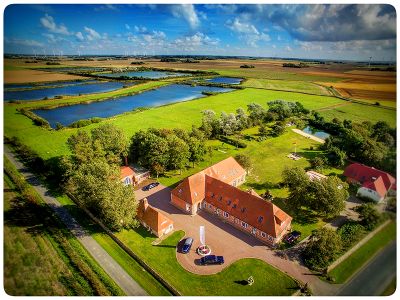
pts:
[35, 118]
[232, 141]
[350, 233]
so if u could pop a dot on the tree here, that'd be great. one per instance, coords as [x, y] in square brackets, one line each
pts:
[209, 123]
[262, 130]
[178, 152]
[327, 196]
[96, 185]
[318, 162]
[157, 168]
[81, 147]
[244, 161]
[197, 149]
[112, 141]
[380, 128]
[336, 157]
[298, 182]
[277, 129]
[242, 119]
[369, 215]
[256, 113]
[322, 249]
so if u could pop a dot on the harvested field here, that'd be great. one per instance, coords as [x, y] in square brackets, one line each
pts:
[25, 75]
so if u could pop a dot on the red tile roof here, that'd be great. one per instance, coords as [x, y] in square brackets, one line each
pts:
[152, 217]
[369, 177]
[192, 188]
[246, 206]
[127, 171]
[377, 186]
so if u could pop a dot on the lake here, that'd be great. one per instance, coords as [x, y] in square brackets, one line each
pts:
[316, 132]
[108, 108]
[46, 84]
[69, 90]
[225, 80]
[146, 74]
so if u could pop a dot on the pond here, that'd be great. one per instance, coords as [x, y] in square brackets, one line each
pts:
[146, 74]
[225, 80]
[316, 132]
[108, 108]
[69, 90]
[46, 84]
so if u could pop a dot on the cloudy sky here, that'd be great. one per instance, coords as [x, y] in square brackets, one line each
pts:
[334, 31]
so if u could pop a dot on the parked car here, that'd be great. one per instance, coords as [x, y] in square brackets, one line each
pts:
[150, 186]
[292, 237]
[212, 260]
[187, 245]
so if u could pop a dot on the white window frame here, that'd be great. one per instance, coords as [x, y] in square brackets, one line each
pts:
[263, 234]
[244, 225]
[187, 207]
[226, 215]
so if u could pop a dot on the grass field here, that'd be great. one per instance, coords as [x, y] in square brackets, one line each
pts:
[286, 85]
[361, 256]
[41, 257]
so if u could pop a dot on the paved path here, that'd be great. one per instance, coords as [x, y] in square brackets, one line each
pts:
[110, 266]
[309, 136]
[373, 279]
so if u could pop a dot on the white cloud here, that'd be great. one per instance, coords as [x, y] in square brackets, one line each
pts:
[288, 49]
[247, 32]
[79, 36]
[127, 27]
[194, 42]
[48, 22]
[23, 42]
[106, 7]
[241, 27]
[187, 12]
[140, 29]
[92, 34]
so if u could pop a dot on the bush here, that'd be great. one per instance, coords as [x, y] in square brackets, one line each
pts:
[35, 118]
[233, 142]
[85, 122]
[350, 233]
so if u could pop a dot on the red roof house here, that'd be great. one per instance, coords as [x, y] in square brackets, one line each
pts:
[375, 184]
[153, 220]
[215, 190]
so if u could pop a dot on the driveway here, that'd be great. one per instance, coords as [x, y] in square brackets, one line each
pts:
[224, 239]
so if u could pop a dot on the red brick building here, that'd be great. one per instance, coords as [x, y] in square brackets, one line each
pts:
[153, 220]
[215, 191]
[133, 175]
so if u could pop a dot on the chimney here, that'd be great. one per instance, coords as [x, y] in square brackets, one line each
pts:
[126, 160]
[145, 204]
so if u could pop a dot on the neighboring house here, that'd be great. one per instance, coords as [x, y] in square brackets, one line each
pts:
[375, 184]
[215, 191]
[133, 175]
[153, 220]
[315, 175]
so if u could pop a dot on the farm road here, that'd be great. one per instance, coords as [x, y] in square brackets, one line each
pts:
[110, 266]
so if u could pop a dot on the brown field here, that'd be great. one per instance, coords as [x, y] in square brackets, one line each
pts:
[24, 75]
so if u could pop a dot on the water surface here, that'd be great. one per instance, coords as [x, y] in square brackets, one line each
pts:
[108, 108]
[146, 74]
[45, 84]
[316, 132]
[225, 80]
[68, 90]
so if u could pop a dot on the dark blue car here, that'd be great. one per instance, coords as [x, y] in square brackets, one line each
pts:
[212, 260]
[187, 245]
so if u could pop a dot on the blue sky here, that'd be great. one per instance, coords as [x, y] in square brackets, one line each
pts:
[334, 31]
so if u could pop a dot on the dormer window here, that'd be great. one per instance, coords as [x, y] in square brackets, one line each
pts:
[229, 202]
[180, 191]
[220, 198]
[212, 195]
[234, 206]
[260, 219]
[243, 209]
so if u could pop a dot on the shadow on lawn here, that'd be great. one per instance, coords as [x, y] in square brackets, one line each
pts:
[263, 186]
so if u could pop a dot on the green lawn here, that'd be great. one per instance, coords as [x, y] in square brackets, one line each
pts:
[274, 73]
[286, 85]
[268, 280]
[41, 258]
[359, 113]
[361, 256]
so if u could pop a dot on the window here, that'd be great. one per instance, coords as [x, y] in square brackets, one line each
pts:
[260, 219]
[204, 204]
[212, 195]
[220, 198]
[187, 207]
[263, 234]
[127, 181]
[229, 202]
[218, 210]
[226, 215]
[243, 209]
[237, 221]
[209, 206]
[180, 191]
[244, 224]
[234, 205]
[254, 231]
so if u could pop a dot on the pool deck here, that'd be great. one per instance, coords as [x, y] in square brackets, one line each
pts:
[310, 136]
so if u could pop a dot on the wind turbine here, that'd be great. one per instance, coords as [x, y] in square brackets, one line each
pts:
[369, 64]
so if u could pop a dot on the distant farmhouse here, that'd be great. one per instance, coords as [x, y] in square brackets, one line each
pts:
[215, 191]
[133, 175]
[375, 184]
